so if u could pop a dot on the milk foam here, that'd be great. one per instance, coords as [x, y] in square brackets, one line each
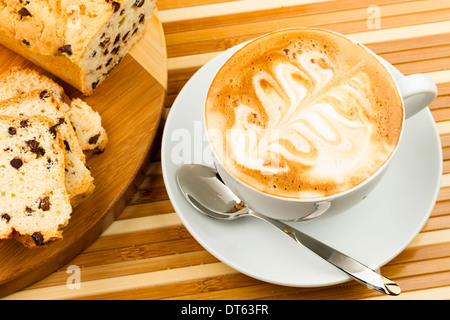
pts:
[315, 121]
[313, 125]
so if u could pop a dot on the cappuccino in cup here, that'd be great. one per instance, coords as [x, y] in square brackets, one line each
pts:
[303, 113]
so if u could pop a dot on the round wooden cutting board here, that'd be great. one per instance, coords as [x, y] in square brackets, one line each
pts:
[130, 103]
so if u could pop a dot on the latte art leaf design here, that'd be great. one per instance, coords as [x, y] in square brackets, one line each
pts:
[317, 115]
[303, 113]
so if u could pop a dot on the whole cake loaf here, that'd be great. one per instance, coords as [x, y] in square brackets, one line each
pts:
[79, 41]
[35, 205]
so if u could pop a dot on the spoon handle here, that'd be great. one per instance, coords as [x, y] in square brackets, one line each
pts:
[351, 267]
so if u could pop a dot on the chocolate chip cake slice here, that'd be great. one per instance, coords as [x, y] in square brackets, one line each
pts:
[34, 204]
[18, 80]
[79, 41]
[86, 122]
[88, 126]
[41, 102]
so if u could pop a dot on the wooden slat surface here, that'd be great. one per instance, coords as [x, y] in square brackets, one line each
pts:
[148, 254]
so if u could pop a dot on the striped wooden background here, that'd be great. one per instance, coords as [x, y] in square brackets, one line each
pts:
[148, 254]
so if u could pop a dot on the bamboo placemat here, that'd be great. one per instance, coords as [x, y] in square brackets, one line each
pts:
[148, 254]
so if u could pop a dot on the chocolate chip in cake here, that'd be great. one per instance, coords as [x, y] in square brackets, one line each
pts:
[105, 42]
[95, 84]
[16, 163]
[12, 131]
[38, 238]
[53, 128]
[125, 36]
[66, 49]
[142, 18]
[49, 163]
[139, 3]
[6, 217]
[28, 210]
[117, 39]
[26, 42]
[108, 62]
[33, 145]
[44, 94]
[116, 6]
[67, 145]
[24, 123]
[52, 131]
[115, 50]
[24, 12]
[44, 203]
[94, 139]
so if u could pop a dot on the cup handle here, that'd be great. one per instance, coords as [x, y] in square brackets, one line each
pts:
[417, 91]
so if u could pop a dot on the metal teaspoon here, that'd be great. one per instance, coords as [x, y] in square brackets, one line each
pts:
[203, 188]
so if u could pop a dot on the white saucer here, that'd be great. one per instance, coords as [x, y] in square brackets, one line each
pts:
[373, 232]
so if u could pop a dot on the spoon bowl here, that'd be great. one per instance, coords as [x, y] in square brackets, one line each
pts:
[205, 191]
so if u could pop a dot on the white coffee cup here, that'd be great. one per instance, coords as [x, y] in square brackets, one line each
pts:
[417, 92]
